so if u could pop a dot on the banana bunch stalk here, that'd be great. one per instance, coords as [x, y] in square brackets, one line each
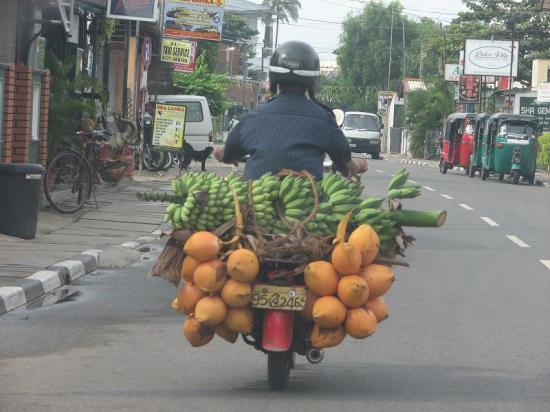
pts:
[159, 197]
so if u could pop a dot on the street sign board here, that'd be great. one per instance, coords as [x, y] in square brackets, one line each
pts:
[490, 57]
[169, 126]
[384, 101]
[146, 52]
[194, 19]
[142, 10]
[528, 105]
[543, 93]
[452, 72]
[469, 89]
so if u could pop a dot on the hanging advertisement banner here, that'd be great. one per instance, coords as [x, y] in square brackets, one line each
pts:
[177, 51]
[452, 72]
[169, 126]
[188, 67]
[469, 89]
[490, 57]
[195, 19]
[142, 10]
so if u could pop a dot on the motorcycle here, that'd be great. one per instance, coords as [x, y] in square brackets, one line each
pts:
[279, 331]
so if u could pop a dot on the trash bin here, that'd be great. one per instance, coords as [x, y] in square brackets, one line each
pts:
[20, 186]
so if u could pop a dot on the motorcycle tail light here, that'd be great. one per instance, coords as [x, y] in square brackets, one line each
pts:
[499, 145]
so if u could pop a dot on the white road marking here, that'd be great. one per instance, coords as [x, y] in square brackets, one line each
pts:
[546, 263]
[429, 188]
[447, 196]
[379, 171]
[489, 221]
[413, 182]
[517, 241]
[465, 206]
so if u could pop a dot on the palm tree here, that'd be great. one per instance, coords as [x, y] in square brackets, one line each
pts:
[284, 10]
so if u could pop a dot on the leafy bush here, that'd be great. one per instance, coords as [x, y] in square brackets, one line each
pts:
[543, 158]
[213, 86]
[423, 111]
[67, 106]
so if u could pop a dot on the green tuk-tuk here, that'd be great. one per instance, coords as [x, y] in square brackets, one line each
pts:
[476, 156]
[510, 147]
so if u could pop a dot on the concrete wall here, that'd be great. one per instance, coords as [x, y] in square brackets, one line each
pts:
[8, 30]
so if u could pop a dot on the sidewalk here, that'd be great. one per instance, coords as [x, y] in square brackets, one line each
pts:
[69, 246]
[542, 177]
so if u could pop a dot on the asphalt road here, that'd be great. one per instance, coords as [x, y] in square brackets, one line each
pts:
[468, 328]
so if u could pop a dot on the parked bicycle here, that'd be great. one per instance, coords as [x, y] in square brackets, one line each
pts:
[71, 176]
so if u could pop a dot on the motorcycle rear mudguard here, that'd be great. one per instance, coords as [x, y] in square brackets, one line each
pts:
[278, 329]
[516, 166]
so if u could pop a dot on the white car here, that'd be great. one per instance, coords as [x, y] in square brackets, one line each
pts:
[363, 132]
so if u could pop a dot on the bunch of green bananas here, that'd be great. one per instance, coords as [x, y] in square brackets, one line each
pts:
[265, 191]
[205, 202]
[397, 188]
[239, 186]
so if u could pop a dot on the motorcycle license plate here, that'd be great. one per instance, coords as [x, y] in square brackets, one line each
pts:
[352, 145]
[278, 297]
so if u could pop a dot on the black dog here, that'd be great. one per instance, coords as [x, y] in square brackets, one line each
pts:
[190, 154]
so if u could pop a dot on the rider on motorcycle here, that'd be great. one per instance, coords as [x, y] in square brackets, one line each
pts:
[292, 131]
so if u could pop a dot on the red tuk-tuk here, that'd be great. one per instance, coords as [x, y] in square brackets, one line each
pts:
[458, 141]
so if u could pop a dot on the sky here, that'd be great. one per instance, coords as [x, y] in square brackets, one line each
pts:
[324, 33]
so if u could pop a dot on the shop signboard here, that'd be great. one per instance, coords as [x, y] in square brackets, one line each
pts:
[529, 105]
[490, 57]
[194, 19]
[142, 10]
[169, 129]
[469, 89]
[177, 51]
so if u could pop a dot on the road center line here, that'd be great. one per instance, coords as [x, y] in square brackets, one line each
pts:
[429, 188]
[379, 171]
[447, 196]
[413, 182]
[465, 206]
[517, 241]
[489, 221]
[546, 263]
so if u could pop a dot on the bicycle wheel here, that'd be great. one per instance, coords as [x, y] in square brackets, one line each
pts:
[67, 182]
[155, 159]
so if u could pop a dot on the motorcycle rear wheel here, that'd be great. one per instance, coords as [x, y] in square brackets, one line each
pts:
[278, 369]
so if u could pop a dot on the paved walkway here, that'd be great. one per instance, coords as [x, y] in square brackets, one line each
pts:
[120, 217]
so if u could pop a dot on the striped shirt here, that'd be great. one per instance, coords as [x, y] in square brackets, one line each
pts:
[290, 132]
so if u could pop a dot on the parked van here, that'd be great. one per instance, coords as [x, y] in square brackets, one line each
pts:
[363, 132]
[198, 122]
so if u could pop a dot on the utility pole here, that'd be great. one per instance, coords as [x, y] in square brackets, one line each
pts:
[511, 27]
[444, 82]
[391, 45]
[404, 54]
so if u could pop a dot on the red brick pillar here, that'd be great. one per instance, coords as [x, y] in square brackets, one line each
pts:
[9, 115]
[22, 123]
[44, 111]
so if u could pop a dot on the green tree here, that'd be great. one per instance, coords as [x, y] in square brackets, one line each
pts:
[423, 112]
[364, 51]
[486, 19]
[284, 10]
[213, 86]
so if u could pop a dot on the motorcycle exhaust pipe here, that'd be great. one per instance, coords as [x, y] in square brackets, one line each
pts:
[314, 355]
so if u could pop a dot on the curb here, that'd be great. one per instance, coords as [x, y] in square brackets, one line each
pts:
[416, 163]
[25, 290]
